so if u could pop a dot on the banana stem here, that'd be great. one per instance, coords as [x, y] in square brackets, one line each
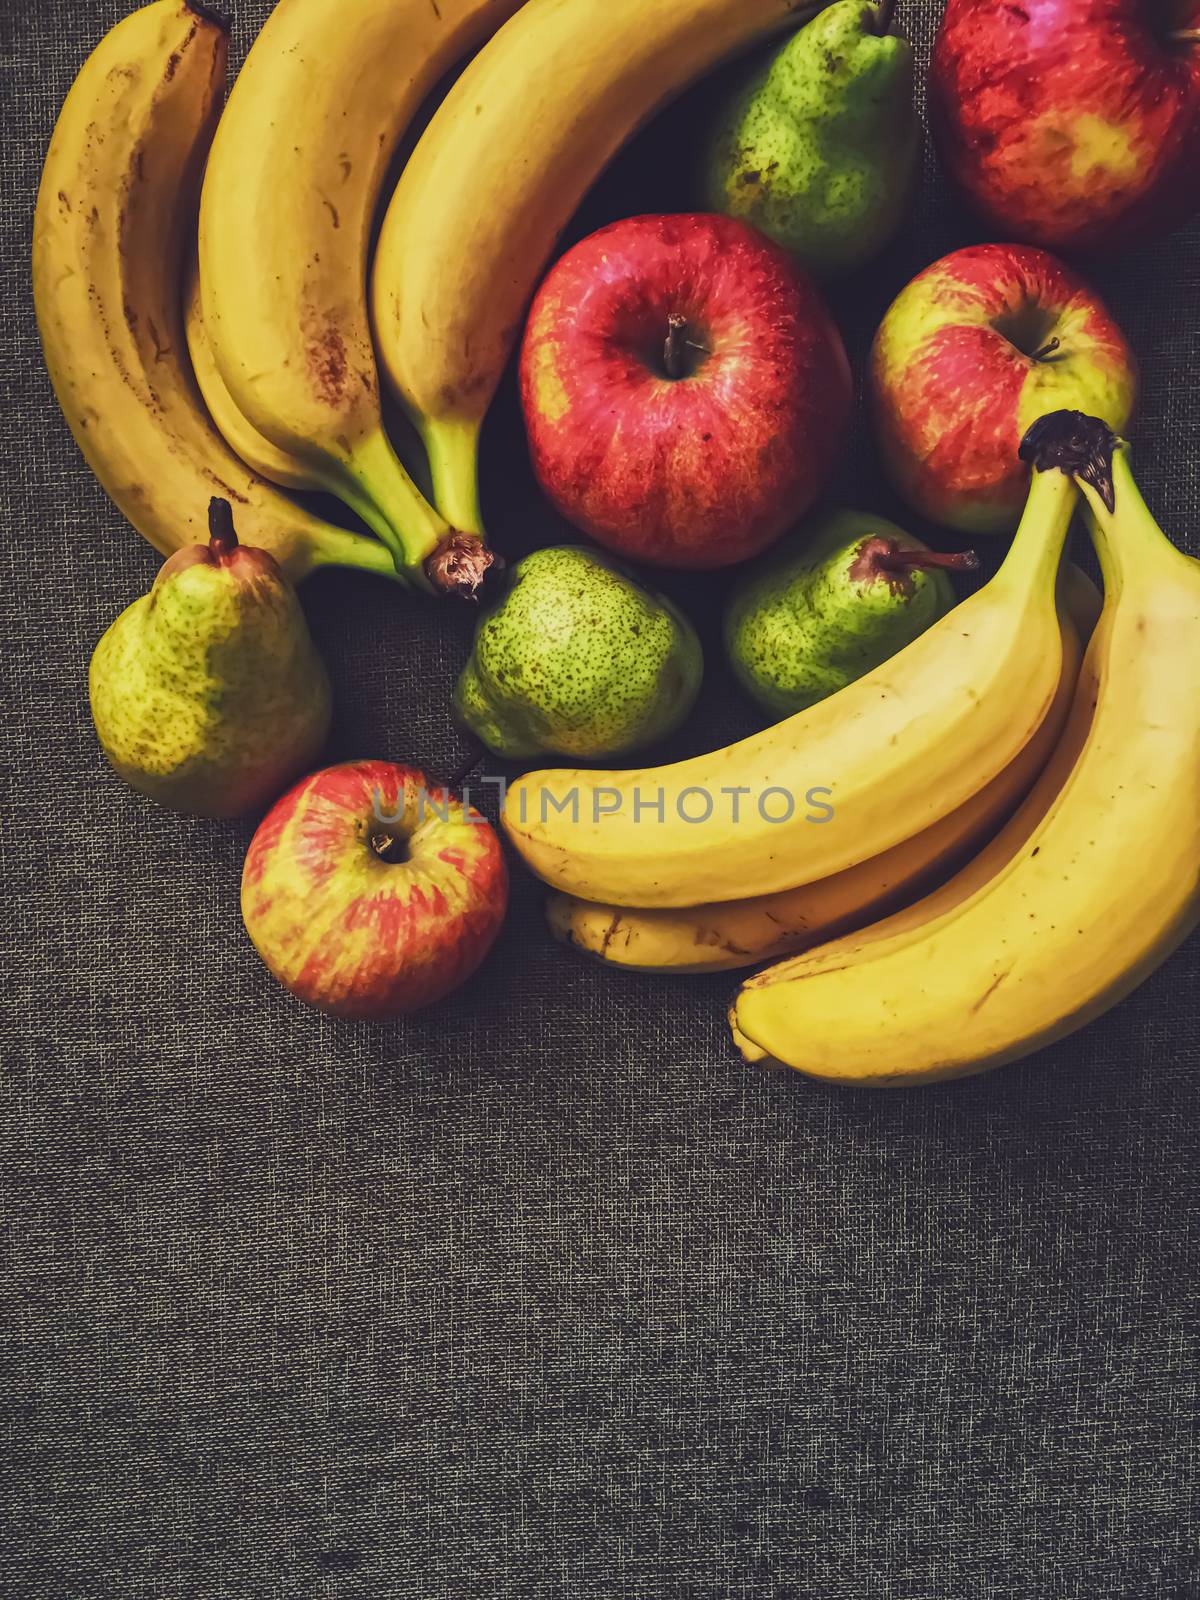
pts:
[1037, 546]
[1128, 539]
[376, 485]
[453, 450]
[219, 19]
[338, 547]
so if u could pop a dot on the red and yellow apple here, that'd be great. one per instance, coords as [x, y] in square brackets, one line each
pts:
[975, 349]
[370, 893]
[1071, 123]
[686, 392]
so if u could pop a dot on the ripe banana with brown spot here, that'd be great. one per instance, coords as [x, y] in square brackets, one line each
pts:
[1093, 884]
[115, 211]
[741, 933]
[498, 173]
[895, 752]
[324, 98]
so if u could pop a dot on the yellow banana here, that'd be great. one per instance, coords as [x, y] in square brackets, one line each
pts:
[326, 94]
[1092, 885]
[117, 201]
[498, 173]
[858, 773]
[740, 933]
[242, 437]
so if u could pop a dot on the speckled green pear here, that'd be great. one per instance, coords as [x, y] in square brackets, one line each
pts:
[819, 145]
[848, 593]
[208, 693]
[576, 659]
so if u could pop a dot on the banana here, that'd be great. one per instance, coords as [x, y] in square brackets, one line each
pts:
[1090, 887]
[740, 933]
[497, 175]
[860, 772]
[242, 437]
[118, 197]
[327, 92]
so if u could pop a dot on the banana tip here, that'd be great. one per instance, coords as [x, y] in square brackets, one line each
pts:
[219, 19]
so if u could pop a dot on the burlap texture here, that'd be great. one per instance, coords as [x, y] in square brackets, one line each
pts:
[543, 1294]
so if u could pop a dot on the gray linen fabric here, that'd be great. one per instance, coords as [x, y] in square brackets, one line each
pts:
[543, 1294]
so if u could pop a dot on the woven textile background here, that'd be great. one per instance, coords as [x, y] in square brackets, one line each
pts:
[543, 1294]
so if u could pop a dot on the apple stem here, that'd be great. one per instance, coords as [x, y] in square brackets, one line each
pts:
[674, 359]
[887, 10]
[222, 535]
[1046, 350]
[388, 845]
[1185, 36]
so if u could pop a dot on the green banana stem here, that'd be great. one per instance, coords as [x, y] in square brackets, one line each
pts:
[337, 547]
[1129, 542]
[1036, 550]
[452, 445]
[427, 551]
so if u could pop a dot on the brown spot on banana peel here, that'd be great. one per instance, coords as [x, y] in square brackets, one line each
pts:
[990, 990]
[161, 350]
[325, 353]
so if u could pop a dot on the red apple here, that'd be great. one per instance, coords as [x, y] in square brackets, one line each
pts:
[976, 349]
[685, 390]
[1072, 123]
[370, 893]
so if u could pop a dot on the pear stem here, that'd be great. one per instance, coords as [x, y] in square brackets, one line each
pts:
[222, 535]
[1046, 350]
[887, 9]
[465, 768]
[893, 557]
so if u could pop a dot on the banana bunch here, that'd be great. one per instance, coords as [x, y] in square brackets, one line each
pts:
[1088, 889]
[722, 937]
[326, 95]
[1067, 875]
[115, 211]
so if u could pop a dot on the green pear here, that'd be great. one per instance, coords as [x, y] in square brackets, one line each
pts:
[575, 658]
[819, 146]
[208, 693]
[847, 594]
